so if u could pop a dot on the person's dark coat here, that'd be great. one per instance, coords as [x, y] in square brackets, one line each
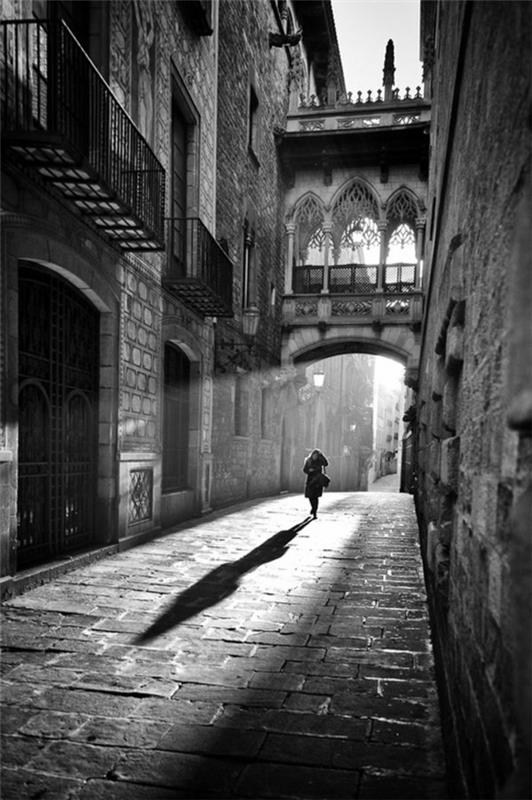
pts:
[313, 468]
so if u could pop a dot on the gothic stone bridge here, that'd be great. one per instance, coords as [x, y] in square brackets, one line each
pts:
[355, 219]
[387, 323]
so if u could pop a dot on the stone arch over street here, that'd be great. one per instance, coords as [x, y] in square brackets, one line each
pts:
[400, 342]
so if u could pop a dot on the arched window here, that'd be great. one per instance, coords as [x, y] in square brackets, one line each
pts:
[356, 240]
[401, 216]
[310, 236]
[310, 245]
[355, 230]
[401, 224]
[58, 360]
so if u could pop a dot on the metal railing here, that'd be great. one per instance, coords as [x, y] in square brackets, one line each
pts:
[308, 280]
[194, 256]
[400, 277]
[52, 90]
[355, 279]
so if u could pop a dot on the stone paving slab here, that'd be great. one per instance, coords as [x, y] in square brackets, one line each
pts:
[253, 653]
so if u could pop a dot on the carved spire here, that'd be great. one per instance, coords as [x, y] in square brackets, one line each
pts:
[388, 71]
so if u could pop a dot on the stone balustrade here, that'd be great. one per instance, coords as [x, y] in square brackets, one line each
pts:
[380, 309]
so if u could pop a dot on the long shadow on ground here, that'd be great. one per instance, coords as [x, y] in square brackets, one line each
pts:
[219, 583]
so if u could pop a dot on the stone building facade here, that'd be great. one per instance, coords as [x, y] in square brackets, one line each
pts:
[153, 238]
[141, 236]
[252, 106]
[473, 405]
[388, 407]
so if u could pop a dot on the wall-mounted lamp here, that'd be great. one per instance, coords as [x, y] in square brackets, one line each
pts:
[250, 321]
[250, 324]
[318, 378]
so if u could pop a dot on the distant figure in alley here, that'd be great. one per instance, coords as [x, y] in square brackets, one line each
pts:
[314, 467]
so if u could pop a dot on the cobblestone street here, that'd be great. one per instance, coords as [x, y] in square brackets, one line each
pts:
[254, 653]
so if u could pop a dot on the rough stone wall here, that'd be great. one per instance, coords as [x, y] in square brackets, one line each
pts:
[471, 465]
[249, 184]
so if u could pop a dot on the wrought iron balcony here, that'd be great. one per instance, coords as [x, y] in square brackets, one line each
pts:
[197, 269]
[61, 120]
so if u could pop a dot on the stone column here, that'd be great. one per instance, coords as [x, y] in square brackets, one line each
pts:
[327, 227]
[420, 230]
[289, 265]
[382, 226]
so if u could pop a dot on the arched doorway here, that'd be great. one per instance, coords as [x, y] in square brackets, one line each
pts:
[58, 417]
[176, 419]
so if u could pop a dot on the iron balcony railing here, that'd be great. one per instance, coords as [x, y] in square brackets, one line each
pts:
[355, 279]
[197, 269]
[352, 278]
[61, 119]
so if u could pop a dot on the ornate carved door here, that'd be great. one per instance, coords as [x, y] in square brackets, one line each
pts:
[58, 422]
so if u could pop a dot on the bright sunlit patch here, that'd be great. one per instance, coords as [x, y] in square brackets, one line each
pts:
[388, 372]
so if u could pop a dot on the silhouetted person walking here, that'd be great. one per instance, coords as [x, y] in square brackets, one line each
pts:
[316, 479]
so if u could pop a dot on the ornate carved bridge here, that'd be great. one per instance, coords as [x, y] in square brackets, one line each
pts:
[355, 224]
[386, 323]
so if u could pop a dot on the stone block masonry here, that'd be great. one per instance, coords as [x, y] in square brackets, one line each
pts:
[470, 462]
[254, 654]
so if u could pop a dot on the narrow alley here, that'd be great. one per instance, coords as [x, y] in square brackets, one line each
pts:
[252, 653]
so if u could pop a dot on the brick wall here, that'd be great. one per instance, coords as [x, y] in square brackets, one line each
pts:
[470, 462]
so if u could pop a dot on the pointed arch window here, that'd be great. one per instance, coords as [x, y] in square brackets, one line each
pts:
[401, 217]
[400, 272]
[356, 241]
[312, 243]
[310, 235]
[355, 231]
